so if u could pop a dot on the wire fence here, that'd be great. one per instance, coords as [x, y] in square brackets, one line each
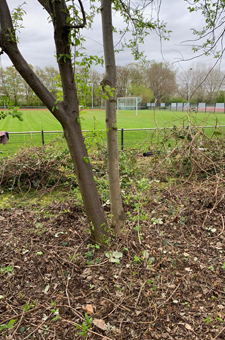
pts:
[182, 107]
[127, 138]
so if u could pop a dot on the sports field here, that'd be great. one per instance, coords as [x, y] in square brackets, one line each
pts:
[38, 120]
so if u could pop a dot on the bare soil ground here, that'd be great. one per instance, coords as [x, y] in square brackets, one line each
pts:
[169, 282]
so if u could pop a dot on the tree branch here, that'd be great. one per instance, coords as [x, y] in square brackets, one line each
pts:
[46, 5]
[8, 45]
[63, 51]
[83, 16]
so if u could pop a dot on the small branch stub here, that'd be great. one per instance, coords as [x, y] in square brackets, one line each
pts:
[105, 82]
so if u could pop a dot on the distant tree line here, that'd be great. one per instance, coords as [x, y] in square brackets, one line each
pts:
[19, 92]
[162, 83]
[153, 82]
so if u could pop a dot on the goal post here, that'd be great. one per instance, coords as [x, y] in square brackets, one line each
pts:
[128, 103]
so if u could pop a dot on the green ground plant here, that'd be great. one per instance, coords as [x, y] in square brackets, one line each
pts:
[7, 269]
[7, 326]
[85, 326]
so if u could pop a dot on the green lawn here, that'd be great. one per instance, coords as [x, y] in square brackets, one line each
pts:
[150, 119]
[33, 120]
[37, 120]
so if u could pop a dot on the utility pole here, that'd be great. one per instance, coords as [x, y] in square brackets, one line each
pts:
[92, 89]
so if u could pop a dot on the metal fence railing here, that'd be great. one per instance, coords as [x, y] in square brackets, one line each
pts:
[184, 107]
[181, 107]
[203, 107]
[127, 138]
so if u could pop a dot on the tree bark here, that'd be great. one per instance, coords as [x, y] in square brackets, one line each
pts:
[92, 203]
[67, 112]
[118, 216]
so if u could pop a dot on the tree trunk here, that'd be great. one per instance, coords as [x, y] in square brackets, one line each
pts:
[92, 203]
[118, 216]
[67, 112]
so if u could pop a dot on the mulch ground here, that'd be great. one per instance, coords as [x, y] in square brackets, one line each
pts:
[169, 282]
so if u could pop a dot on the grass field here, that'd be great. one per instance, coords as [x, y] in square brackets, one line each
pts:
[37, 120]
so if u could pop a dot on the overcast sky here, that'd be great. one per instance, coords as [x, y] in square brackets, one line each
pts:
[37, 45]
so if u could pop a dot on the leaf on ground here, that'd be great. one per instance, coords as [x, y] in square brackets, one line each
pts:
[100, 323]
[89, 309]
[114, 256]
[117, 254]
[188, 269]
[10, 324]
[187, 326]
[86, 272]
[46, 289]
[145, 254]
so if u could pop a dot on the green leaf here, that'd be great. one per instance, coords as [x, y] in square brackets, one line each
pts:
[11, 323]
[117, 254]
[113, 260]
[145, 254]
[3, 327]
[56, 318]
[86, 160]
[22, 329]
[114, 257]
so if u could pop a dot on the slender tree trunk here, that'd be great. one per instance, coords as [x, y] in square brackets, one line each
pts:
[92, 203]
[111, 121]
[67, 112]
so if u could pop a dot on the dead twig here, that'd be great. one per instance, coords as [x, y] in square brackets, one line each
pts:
[165, 302]
[139, 294]
[223, 329]
[39, 326]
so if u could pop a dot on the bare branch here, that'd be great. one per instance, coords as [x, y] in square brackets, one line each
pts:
[47, 7]
[83, 24]
[8, 45]
[83, 15]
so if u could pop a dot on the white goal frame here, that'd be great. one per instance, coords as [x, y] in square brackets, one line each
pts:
[128, 103]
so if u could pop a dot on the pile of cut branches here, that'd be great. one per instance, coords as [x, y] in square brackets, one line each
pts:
[36, 168]
[189, 154]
